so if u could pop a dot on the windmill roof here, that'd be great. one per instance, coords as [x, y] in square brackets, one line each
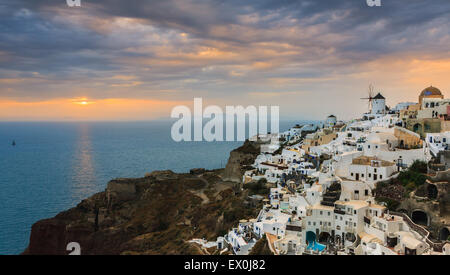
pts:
[379, 96]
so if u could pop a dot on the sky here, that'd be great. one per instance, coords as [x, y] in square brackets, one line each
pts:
[137, 59]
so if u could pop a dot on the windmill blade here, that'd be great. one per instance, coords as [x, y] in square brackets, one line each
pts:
[370, 91]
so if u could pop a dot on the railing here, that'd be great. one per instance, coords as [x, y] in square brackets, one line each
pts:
[337, 211]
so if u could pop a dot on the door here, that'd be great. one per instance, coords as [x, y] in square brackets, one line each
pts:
[357, 176]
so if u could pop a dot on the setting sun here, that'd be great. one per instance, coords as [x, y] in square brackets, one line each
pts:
[82, 101]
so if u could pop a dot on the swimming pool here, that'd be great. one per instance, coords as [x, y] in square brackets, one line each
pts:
[316, 246]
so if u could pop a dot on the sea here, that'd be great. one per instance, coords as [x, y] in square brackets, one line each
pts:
[55, 165]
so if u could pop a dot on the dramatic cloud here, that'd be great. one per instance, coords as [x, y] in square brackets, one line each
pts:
[298, 54]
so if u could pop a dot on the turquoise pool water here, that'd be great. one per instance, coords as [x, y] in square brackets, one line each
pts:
[316, 246]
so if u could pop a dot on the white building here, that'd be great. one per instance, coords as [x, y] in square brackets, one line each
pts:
[379, 141]
[330, 121]
[402, 106]
[437, 142]
[370, 169]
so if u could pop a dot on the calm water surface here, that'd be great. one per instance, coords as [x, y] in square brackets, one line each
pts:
[56, 165]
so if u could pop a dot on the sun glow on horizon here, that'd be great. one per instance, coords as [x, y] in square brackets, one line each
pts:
[84, 109]
[82, 101]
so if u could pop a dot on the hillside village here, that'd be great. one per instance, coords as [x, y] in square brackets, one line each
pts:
[377, 185]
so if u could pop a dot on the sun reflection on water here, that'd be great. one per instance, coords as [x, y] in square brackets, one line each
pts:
[83, 184]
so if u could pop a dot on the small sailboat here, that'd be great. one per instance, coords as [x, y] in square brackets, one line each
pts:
[13, 143]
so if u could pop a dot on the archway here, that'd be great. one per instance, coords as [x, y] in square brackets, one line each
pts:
[432, 191]
[444, 234]
[420, 217]
[310, 237]
[324, 237]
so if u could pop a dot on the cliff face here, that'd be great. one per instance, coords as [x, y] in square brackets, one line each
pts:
[239, 159]
[431, 199]
[156, 214]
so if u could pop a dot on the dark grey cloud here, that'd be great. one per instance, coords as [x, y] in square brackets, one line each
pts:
[297, 39]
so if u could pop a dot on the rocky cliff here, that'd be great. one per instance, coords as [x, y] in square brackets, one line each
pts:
[427, 203]
[156, 214]
[240, 159]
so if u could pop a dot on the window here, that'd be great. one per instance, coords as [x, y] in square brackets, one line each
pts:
[366, 192]
[381, 176]
[368, 146]
[351, 174]
[354, 212]
[370, 175]
[320, 223]
[329, 213]
[375, 170]
[321, 213]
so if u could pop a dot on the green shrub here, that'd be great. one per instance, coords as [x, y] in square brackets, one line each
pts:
[419, 166]
[408, 176]
[410, 186]
[257, 188]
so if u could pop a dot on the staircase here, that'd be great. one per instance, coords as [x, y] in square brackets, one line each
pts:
[332, 195]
